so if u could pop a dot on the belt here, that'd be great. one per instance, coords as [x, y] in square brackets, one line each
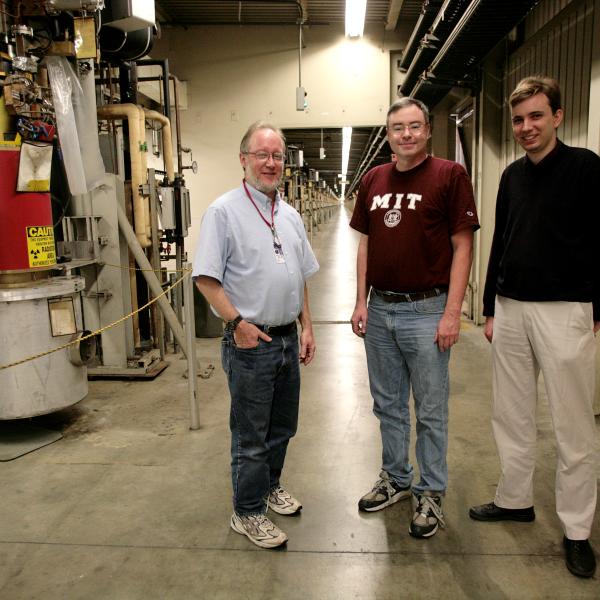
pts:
[409, 296]
[277, 329]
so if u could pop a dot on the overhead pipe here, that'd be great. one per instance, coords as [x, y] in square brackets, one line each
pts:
[164, 65]
[466, 17]
[167, 140]
[426, 44]
[358, 175]
[366, 159]
[428, 12]
[132, 113]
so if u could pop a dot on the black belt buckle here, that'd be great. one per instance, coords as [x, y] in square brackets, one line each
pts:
[278, 329]
[409, 296]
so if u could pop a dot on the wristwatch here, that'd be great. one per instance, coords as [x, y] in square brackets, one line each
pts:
[231, 325]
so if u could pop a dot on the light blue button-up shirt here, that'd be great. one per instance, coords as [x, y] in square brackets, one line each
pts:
[236, 248]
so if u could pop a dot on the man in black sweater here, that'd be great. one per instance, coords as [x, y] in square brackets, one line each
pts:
[542, 308]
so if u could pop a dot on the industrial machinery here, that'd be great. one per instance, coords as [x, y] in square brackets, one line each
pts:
[86, 226]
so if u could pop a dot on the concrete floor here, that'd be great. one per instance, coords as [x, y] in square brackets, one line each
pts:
[132, 504]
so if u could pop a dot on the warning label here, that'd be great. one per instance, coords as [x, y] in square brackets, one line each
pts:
[40, 246]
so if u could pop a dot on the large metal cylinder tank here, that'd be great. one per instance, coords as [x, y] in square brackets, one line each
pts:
[40, 317]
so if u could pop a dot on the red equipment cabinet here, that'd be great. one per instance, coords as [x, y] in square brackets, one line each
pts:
[26, 232]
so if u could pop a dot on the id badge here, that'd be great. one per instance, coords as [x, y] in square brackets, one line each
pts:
[279, 257]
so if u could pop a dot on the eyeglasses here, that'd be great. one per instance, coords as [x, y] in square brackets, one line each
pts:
[411, 127]
[261, 155]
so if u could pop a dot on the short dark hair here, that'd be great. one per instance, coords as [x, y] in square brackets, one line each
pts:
[245, 143]
[405, 103]
[537, 84]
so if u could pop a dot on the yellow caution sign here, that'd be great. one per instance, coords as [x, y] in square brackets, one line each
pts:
[40, 246]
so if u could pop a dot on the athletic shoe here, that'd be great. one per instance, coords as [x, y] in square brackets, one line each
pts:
[259, 530]
[283, 502]
[385, 492]
[428, 515]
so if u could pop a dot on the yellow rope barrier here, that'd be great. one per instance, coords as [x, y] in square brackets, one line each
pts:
[98, 331]
[104, 264]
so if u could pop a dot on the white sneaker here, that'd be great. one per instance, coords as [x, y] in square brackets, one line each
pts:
[259, 530]
[283, 502]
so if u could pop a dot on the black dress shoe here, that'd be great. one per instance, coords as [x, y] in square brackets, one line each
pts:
[491, 512]
[579, 557]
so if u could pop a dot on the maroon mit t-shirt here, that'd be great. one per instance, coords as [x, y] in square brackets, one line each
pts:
[409, 217]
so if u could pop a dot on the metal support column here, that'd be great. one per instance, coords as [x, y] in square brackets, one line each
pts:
[190, 335]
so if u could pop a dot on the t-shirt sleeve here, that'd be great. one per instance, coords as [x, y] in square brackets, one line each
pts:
[211, 252]
[360, 216]
[462, 212]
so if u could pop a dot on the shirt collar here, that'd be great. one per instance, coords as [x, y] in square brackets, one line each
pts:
[262, 200]
[548, 160]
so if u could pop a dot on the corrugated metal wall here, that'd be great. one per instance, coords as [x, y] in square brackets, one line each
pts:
[542, 14]
[558, 43]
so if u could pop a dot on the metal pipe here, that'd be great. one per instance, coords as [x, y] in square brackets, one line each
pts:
[151, 278]
[466, 17]
[428, 12]
[157, 320]
[300, 55]
[164, 65]
[132, 113]
[411, 78]
[177, 126]
[366, 162]
[178, 295]
[167, 139]
[190, 334]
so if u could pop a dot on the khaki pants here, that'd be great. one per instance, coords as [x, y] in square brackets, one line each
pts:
[556, 337]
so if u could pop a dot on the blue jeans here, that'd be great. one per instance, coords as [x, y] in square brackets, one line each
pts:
[401, 354]
[264, 384]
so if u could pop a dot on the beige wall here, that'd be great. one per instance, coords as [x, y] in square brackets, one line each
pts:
[236, 75]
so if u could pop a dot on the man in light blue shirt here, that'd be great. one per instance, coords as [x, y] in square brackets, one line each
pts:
[252, 262]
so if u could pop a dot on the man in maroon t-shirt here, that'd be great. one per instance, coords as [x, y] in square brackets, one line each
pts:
[416, 218]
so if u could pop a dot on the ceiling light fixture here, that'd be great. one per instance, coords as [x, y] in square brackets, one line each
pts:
[346, 141]
[355, 17]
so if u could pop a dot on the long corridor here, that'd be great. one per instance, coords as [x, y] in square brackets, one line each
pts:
[132, 504]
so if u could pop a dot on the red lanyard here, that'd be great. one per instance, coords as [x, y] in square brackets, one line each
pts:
[270, 225]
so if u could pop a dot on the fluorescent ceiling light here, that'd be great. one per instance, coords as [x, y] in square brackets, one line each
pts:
[346, 141]
[355, 17]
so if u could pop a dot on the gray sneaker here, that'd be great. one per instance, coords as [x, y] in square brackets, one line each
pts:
[283, 502]
[428, 515]
[384, 492]
[259, 530]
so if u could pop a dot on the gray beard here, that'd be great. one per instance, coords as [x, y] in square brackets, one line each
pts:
[263, 187]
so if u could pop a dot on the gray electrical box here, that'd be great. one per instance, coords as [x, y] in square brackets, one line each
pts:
[186, 212]
[167, 207]
[300, 98]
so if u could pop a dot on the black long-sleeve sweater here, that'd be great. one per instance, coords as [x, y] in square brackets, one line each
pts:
[546, 243]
